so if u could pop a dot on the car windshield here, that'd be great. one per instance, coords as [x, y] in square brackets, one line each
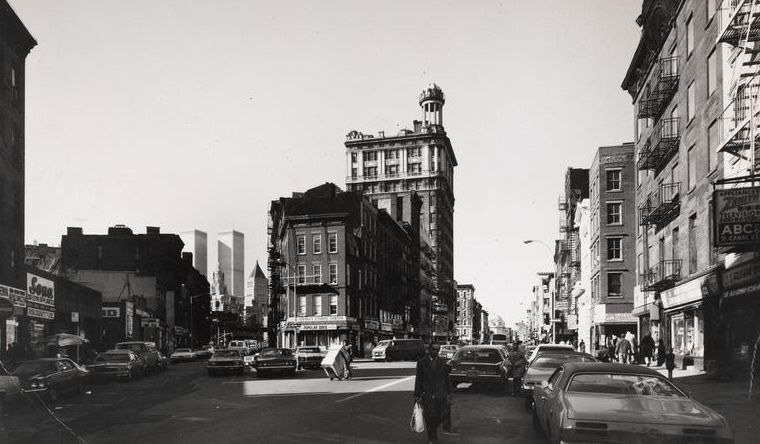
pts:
[448, 347]
[182, 350]
[554, 361]
[226, 353]
[309, 350]
[276, 352]
[612, 383]
[383, 344]
[35, 368]
[112, 357]
[479, 355]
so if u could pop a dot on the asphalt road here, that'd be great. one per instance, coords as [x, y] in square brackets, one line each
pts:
[184, 405]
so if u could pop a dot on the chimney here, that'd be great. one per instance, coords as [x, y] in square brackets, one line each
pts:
[381, 134]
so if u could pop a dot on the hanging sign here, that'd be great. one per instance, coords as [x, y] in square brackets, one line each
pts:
[736, 213]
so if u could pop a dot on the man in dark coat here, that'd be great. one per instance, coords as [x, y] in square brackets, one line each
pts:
[516, 364]
[431, 388]
[622, 349]
[647, 348]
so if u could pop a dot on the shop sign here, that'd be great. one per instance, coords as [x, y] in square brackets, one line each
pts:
[736, 216]
[149, 322]
[312, 327]
[110, 312]
[17, 297]
[386, 327]
[372, 325]
[572, 321]
[741, 274]
[40, 313]
[682, 294]
[741, 291]
[75, 316]
[330, 318]
[40, 290]
[129, 326]
[620, 318]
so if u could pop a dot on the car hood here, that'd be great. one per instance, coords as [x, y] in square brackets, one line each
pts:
[226, 358]
[275, 358]
[311, 355]
[640, 409]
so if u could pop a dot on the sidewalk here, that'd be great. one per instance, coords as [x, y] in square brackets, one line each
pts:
[729, 398]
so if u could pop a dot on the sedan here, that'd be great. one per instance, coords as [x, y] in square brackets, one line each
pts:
[542, 368]
[183, 355]
[52, 377]
[275, 360]
[117, 364]
[309, 357]
[621, 403]
[448, 351]
[479, 363]
[226, 361]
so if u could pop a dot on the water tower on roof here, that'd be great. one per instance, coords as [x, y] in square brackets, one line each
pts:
[431, 102]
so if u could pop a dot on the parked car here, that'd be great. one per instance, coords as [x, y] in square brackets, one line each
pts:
[621, 403]
[117, 364]
[183, 355]
[205, 352]
[52, 377]
[544, 365]
[479, 363]
[146, 350]
[226, 361]
[541, 348]
[275, 360]
[10, 387]
[239, 345]
[447, 351]
[399, 350]
[309, 357]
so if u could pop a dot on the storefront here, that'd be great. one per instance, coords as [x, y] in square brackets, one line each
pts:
[323, 331]
[740, 307]
[683, 326]
[12, 318]
[607, 325]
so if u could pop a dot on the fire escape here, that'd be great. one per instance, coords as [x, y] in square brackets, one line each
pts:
[661, 206]
[663, 87]
[661, 146]
[739, 27]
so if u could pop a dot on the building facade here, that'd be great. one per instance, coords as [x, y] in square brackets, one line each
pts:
[612, 235]
[469, 322]
[256, 298]
[15, 44]
[389, 169]
[679, 83]
[347, 271]
[231, 260]
[196, 242]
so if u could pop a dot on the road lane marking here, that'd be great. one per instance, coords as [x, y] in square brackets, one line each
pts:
[375, 389]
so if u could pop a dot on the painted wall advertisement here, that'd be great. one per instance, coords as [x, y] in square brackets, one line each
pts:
[737, 216]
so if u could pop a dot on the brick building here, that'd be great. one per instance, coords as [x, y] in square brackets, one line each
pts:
[15, 44]
[347, 270]
[389, 169]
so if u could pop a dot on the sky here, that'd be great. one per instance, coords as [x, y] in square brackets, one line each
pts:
[196, 114]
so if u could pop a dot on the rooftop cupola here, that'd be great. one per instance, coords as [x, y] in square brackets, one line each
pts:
[431, 102]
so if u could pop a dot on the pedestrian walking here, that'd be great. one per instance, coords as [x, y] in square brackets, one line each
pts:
[670, 362]
[647, 348]
[622, 350]
[516, 363]
[431, 389]
[582, 346]
[611, 349]
[660, 352]
[345, 352]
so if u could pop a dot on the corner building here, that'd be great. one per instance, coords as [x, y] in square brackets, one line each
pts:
[389, 169]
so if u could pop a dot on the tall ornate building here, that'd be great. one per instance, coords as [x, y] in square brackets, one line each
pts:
[389, 168]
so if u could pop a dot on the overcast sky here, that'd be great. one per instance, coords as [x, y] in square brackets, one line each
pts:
[196, 114]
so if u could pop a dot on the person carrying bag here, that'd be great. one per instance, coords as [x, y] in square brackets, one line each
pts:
[417, 423]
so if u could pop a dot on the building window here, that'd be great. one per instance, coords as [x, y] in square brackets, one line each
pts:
[712, 147]
[614, 213]
[353, 157]
[332, 241]
[691, 175]
[674, 238]
[333, 305]
[301, 305]
[614, 285]
[369, 156]
[693, 243]
[316, 271]
[415, 152]
[613, 180]
[690, 99]
[370, 171]
[318, 305]
[316, 243]
[391, 170]
[712, 76]
[391, 154]
[301, 244]
[614, 248]
[302, 274]
[689, 36]
[414, 168]
[354, 172]
[333, 273]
